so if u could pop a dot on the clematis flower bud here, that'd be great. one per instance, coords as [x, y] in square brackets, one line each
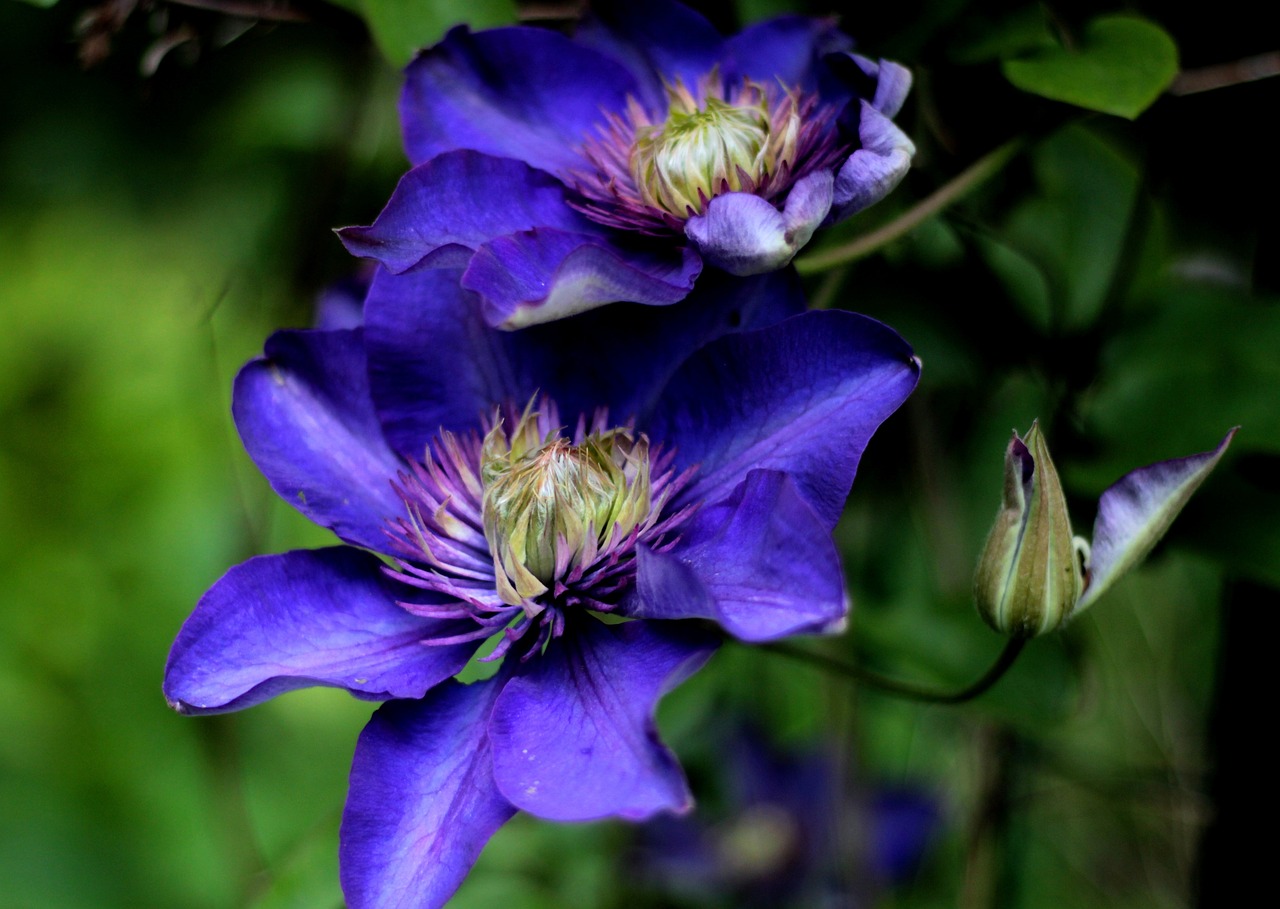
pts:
[550, 505]
[1034, 575]
[1029, 577]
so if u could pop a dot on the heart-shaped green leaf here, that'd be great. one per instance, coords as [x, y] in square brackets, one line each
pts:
[1120, 66]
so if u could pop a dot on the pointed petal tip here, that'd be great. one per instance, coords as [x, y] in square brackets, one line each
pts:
[1137, 510]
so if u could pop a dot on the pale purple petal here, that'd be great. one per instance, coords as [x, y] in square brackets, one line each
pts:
[1136, 512]
[546, 274]
[422, 802]
[446, 208]
[434, 363]
[892, 81]
[741, 233]
[874, 169]
[760, 563]
[657, 41]
[574, 739]
[745, 235]
[304, 413]
[524, 93]
[310, 617]
[785, 49]
[803, 397]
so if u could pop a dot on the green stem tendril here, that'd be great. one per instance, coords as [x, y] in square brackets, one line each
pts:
[859, 247]
[1007, 658]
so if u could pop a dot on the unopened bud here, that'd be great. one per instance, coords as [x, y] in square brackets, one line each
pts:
[1029, 577]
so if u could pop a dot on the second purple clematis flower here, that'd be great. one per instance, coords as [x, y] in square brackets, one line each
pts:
[566, 173]
[499, 496]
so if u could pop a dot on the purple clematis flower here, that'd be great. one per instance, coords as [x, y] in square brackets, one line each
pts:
[497, 494]
[566, 173]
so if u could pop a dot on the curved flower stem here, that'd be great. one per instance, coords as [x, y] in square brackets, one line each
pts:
[975, 174]
[905, 689]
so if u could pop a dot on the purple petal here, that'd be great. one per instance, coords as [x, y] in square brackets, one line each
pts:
[422, 802]
[874, 169]
[903, 822]
[434, 363]
[760, 563]
[658, 41]
[445, 209]
[788, 49]
[1135, 513]
[547, 274]
[892, 81]
[524, 93]
[803, 397]
[648, 345]
[341, 304]
[745, 235]
[306, 418]
[574, 739]
[323, 617]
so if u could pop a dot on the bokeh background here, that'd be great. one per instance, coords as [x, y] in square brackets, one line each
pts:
[169, 178]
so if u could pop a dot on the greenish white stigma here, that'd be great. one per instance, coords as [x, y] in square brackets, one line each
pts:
[512, 532]
[550, 506]
[653, 170]
[703, 149]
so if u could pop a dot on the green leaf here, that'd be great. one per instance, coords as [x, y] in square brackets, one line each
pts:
[403, 27]
[1023, 279]
[1058, 252]
[43, 4]
[1120, 67]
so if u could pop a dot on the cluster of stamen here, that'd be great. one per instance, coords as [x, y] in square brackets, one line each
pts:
[651, 174]
[517, 527]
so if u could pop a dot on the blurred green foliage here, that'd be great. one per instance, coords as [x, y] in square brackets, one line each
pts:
[401, 27]
[1113, 281]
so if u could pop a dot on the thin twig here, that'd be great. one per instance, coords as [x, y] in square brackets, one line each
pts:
[1225, 75]
[906, 689]
[976, 173]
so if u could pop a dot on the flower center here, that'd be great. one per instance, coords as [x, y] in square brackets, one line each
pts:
[702, 150]
[512, 531]
[745, 137]
[550, 506]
